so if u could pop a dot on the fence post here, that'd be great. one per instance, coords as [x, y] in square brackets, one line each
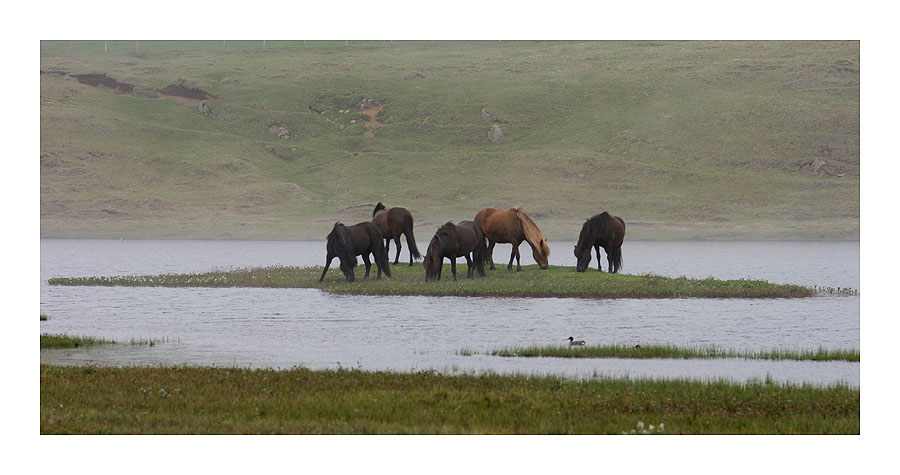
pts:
[104, 46]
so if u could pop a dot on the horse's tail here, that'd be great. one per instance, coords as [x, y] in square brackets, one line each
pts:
[533, 233]
[617, 252]
[615, 258]
[480, 253]
[410, 239]
[376, 241]
[340, 239]
[378, 207]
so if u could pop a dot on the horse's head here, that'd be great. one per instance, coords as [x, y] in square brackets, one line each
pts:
[432, 258]
[541, 254]
[348, 271]
[583, 256]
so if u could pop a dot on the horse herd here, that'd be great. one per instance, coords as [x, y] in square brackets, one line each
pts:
[474, 240]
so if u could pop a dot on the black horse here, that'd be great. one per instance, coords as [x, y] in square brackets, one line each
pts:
[452, 241]
[601, 230]
[347, 242]
[392, 222]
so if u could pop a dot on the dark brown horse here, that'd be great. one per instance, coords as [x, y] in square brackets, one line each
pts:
[392, 222]
[452, 241]
[513, 226]
[601, 230]
[347, 242]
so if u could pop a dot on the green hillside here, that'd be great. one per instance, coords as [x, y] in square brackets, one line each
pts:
[680, 139]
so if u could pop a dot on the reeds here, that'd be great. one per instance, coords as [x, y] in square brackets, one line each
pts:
[676, 352]
[58, 341]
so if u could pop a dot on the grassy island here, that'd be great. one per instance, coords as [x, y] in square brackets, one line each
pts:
[557, 281]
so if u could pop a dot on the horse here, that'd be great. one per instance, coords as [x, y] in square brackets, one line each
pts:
[601, 230]
[452, 241]
[347, 242]
[513, 226]
[392, 222]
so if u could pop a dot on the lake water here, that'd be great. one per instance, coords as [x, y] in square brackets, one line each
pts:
[285, 328]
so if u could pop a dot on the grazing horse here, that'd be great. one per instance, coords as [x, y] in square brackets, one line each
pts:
[392, 222]
[601, 230]
[513, 226]
[452, 241]
[347, 242]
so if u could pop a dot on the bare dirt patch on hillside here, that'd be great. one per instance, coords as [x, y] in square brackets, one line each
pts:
[106, 83]
[190, 96]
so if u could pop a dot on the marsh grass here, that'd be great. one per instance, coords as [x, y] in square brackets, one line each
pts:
[557, 281]
[676, 352]
[61, 341]
[202, 400]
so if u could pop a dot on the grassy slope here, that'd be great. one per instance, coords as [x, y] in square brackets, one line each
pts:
[681, 139]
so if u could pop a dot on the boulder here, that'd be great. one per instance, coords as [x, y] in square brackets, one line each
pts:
[495, 134]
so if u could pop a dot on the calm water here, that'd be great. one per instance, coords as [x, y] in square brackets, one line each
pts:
[284, 328]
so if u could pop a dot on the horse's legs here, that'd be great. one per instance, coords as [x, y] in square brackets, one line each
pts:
[440, 268]
[470, 272]
[397, 257]
[379, 261]
[490, 253]
[518, 260]
[597, 250]
[453, 266]
[515, 255]
[365, 258]
[328, 260]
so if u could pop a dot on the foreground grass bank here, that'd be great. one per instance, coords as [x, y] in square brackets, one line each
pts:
[671, 351]
[188, 400]
[557, 281]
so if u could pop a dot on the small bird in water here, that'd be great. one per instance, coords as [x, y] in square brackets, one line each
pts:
[574, 342]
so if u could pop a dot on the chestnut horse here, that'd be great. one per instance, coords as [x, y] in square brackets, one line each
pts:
[513, 226]
[392, 222]
[601, 230]
[347, 242]
[452, 241]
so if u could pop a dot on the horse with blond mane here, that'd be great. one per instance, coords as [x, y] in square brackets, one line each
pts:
[512, 226]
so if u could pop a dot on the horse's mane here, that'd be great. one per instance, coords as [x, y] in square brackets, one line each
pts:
[339, 238]
[378, 207]
[532, 233]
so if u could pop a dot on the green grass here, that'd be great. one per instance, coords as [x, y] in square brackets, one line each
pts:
[61, 341]
[556, 281]
[683, 139]
[672, 351]
[192, 400]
